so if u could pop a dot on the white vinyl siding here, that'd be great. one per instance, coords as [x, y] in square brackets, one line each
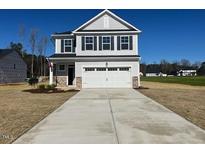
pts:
[105, 22]
[57, 45]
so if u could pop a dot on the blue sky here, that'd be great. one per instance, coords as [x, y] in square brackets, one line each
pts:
[166, 34]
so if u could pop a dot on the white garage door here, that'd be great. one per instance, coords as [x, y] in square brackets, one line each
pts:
[111, 77]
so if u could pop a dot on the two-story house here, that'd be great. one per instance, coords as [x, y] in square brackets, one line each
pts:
[102, 53]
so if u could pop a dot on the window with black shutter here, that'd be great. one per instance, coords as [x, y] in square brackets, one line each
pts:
[118, 42]
[112, 42]
[100, 42]
[74, 45]
[106, 42]
[67, 45]
[124, 43]
[95, 42]
[62, 45]
[89, 43]
[83, 43]
[131, 43]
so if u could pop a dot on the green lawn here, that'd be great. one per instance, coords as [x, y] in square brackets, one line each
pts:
[194, 81]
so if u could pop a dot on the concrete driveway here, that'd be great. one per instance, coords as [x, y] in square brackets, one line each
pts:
[113, 116]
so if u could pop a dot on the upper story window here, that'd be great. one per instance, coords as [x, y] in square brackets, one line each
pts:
[124, 42]
[106, 42]
[68, 45]
[89, 43]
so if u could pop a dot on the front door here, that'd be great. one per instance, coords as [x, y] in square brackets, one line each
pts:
[71, 73]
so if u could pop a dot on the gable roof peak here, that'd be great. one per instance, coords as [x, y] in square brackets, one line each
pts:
[112, 15]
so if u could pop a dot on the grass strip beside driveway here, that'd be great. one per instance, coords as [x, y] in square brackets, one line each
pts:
[185, 100]
[20, 109]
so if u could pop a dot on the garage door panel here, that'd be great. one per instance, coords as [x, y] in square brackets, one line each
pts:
[118, 79]
[93, 79]
[107, 78]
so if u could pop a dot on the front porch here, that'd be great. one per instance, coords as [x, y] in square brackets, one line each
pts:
[62, 74]
[89, 73]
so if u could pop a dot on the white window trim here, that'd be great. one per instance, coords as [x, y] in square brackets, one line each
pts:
[89, 43]
[59, 68]
[68, 45]
[106, 43]
[124, 43]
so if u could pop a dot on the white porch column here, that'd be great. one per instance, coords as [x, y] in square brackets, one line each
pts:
[138, 80]
[51, 73]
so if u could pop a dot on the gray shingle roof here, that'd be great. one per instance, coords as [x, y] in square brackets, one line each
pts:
[67, 32]
[74, 55]
[4, 52]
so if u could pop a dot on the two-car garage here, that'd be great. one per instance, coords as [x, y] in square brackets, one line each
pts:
[107, 74]
[106, 77]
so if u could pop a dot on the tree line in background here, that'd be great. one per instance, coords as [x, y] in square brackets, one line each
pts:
[169, 68]
[36, 58]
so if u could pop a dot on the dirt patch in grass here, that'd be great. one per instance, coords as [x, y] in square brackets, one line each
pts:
[187, 101]
[21, 108]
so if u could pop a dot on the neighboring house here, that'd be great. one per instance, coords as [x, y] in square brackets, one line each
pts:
[156, 74]
[186, 73]
[162, 74]
[152, 74]
[102, 53]
[13, 69]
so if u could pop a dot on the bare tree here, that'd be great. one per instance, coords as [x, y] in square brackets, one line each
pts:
[40, 52]
[32, 41]
[45, 43]
[21, 34]
[185, 63]
[196, 64]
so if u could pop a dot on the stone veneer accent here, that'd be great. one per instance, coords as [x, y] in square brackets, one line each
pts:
[61, 81]
[79, 82]
[135, 82]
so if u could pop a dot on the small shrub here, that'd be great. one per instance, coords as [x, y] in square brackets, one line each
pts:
[42, 86]
[33, 81]
[53, 85]
[50, 87]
